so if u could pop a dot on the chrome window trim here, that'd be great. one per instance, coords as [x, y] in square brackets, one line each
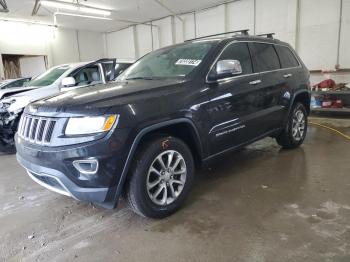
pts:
[227, 79]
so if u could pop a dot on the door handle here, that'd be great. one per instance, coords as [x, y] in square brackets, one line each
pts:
[287, 75]
[255, 82]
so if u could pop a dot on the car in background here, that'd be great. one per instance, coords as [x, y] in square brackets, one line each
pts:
[52, 82]
[10, 87]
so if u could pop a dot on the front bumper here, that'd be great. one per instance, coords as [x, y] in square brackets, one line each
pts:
[52, 167]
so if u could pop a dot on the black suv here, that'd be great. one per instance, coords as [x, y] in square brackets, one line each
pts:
[175, 108]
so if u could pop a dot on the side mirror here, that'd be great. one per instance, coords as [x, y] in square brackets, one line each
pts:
[227, 68]
[68, 82]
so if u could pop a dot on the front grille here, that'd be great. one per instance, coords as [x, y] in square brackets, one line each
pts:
[37, 130]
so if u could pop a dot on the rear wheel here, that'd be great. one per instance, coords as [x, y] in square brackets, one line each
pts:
[294, 133]
[161, 178]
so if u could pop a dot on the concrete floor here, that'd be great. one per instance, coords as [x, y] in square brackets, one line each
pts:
[258, 204]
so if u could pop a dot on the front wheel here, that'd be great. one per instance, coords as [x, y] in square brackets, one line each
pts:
[294, 133]
[161, 177]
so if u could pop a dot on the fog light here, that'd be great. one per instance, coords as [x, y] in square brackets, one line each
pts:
[86, 166]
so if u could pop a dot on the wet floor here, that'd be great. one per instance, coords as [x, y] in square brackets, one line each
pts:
[259, 204]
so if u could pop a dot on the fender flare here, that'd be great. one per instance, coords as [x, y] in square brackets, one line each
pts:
[293, 99]
[136, 142]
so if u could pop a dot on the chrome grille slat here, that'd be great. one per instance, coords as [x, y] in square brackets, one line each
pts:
[23, 123]
[37, 130]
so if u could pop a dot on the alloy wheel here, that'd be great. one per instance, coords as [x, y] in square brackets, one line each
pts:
[166, 177]
[298, 125]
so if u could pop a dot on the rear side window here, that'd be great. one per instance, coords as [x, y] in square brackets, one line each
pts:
[240, 52]
[264, 57]
[286, 56]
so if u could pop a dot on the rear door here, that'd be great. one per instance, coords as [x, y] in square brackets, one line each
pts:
[290, 74]
[266, 62]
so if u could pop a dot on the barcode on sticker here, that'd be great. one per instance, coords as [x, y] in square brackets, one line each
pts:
[191, 62]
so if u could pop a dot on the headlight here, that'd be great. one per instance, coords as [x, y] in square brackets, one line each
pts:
[18, 103]
[90, 125]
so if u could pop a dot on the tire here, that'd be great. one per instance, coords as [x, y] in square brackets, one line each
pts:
[294, 133]
[154, 191]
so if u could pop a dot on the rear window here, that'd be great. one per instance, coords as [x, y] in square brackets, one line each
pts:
[264, 57]
[286, 56]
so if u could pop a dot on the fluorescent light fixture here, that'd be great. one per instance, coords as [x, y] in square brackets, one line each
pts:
[75, 7]
[86, 16]
[93, 11]
[26, 21]
[59, 5]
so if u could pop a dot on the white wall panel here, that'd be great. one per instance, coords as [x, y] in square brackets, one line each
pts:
[64, 47]
[121, 44]
[277, 16]
[179, 30]
[344, 60]
[165, 31]
[32, 66]
[144, 39]
[240, 15]
[91, 45]
[210, 21]
[319, 33]
[189, 26]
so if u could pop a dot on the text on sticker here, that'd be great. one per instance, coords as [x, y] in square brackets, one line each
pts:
[190, 62]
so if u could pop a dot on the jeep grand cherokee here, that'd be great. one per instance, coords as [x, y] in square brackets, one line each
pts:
[175, 108]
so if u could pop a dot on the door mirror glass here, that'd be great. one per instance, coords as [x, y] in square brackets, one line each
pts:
[227, 68]
[68, 82]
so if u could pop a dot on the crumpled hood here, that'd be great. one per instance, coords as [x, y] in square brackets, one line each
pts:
[37, 93]
[16, 90]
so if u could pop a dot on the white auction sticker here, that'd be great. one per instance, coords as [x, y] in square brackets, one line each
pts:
[190, 62]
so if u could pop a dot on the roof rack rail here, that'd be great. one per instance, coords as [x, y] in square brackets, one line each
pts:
[243, 32]
[268, 35]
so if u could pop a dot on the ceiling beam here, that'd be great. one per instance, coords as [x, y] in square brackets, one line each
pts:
[36, 7]
[4, 8]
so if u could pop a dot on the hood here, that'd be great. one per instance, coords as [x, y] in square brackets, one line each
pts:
[14, 90]
[37, 93]
[102, 97]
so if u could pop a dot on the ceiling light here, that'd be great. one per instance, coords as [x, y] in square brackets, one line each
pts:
[26, 21]
[59, 5]
[86, 16]
[94, 11]
[75, 7]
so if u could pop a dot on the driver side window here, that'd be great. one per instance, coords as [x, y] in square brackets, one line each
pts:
[236, 51]
[88, 76]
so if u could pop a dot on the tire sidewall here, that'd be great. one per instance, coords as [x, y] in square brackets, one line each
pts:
[151, 152]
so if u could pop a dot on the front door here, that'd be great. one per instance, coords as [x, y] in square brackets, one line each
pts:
[234, 102]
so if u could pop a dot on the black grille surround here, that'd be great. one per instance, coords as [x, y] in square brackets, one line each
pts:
[36, 129]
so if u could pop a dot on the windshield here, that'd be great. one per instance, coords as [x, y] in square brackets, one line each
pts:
[176, 61]
[48, 77]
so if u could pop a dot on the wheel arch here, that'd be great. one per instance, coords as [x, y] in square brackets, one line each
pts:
[303, 97]
[167, 128]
